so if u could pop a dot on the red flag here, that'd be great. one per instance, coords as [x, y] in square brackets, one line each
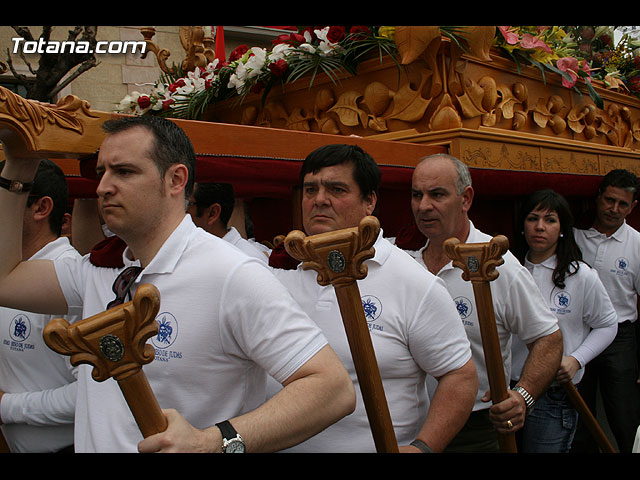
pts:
[220, 53]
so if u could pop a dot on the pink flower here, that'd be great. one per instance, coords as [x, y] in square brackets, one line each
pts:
[510, 37]
[570, 66]
[529, 41]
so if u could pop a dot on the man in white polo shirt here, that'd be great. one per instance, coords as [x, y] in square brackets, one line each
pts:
[612, 247]
[37, 385]
[441, 198]
[223, 322]
[211, 206]
[413, 323]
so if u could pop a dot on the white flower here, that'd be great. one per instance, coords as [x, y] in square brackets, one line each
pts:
[280, 51]
[255, 63]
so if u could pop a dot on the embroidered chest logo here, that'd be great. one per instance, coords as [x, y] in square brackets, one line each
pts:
[562, 302]
[622, 266]
[19, 332]
[166, 337]
[372, 307]
[464, 308]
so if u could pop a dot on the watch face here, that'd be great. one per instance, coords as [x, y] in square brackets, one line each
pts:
[234, 446]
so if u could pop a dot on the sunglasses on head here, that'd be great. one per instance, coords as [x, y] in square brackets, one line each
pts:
[122, 285]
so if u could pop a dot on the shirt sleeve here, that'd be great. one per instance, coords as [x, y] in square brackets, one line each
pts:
[47, 407]
[263, 322]
[526, 312]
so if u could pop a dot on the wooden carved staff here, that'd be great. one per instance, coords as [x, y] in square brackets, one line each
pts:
[339, 257]
[478, 262]
[114, 342]
[590, 421]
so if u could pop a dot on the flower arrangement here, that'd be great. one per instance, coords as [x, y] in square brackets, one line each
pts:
[578, 54]
[333, 50]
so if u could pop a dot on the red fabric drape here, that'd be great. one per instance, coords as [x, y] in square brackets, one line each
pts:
[219, 46]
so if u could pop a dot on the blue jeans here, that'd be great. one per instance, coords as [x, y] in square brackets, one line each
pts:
[550, 427]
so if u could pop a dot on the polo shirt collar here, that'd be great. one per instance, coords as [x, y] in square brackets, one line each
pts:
[549, 263]
[170, 252]
[619, 235]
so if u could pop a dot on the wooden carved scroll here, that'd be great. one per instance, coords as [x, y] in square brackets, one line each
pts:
[114, 342]
[478, 262]
[339, 257]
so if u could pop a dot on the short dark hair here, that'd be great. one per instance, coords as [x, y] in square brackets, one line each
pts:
[366, 171]
[206, 194]
[50, 181]
[171, 143]
[621, 178]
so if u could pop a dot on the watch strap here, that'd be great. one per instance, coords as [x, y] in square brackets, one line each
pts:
[15, 186]
[229, 435]
[528, 398]
[420, 445]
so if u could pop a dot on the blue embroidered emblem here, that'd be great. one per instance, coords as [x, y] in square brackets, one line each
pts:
[167, 330]
[562, 300]
[372, 307]
[622, 263]
[20, 328]
[464, 307]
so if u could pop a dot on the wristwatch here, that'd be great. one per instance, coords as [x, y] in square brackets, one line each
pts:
[14, 186]
[232, 442]
[528, 399]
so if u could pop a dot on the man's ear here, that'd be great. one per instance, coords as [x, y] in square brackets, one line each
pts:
[371, 200]
[177, 176]
[467, 198]
[43, 208]
[213, 213]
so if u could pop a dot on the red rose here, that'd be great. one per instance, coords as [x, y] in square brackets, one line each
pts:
[166, 104]
[361, 31]
[144, 102]
[174, 86]
[278, 67]
[238, 53]
[291, 39]
[634, 83]
[335, 34]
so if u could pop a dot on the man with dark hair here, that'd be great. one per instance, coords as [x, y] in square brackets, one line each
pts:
[413, 322]
[225, 322]
[211, 207]
[37, 386]
[612, 247]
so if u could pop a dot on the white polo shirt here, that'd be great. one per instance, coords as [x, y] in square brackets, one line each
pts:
[224, 320]
[234, 238]
[582, 307]
[519, 309]
[617, 261]
[414, 330]
[38, 408]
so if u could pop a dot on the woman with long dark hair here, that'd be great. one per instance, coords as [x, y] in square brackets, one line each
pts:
[578, 299]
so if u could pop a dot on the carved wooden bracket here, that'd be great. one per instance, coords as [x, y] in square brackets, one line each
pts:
[198, 47]
[339, 257]
[114, 342]
[478, 262]
[34, 129]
